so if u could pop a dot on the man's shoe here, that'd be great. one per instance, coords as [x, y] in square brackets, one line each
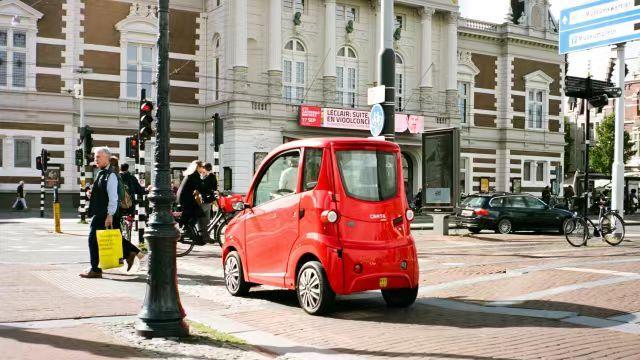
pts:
[91, 275]
[130, 259]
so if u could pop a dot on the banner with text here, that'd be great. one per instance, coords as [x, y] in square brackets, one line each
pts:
[315, 116]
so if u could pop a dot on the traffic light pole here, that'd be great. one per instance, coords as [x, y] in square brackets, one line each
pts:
[41, 193]
[587, 137]
[140, 211]
[388, 70]
[162, 314]
[617, 172]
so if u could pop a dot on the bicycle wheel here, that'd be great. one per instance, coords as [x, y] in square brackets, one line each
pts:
[612, 228]
[576, 231]
[185, 243]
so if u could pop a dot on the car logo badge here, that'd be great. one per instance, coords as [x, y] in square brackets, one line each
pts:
[383, 282]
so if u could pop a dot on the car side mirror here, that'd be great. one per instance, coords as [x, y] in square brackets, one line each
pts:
[239, 206]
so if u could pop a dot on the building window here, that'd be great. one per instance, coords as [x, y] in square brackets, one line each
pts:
[535, 172]
[347, 77]
[294, 5]
[294, 72]
[463, 101]
[216, 66]
[22, 153]
[346, 13]
[400, 79]
[535, 109]
[139, 69]
[464, 173]
[13, 58]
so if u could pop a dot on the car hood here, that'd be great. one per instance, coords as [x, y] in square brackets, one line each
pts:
[562, 212]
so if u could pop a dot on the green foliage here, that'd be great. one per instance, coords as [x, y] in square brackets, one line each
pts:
[601, 155]
[569, 162]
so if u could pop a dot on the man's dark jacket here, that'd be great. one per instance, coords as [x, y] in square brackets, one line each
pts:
[208, 187]
[132, 184]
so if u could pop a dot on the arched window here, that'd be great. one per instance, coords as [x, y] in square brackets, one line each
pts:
[216, 65]
[347, 76]
[400, 78]
[293, 71]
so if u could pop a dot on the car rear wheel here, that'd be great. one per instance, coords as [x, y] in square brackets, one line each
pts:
[312, 287]
[233, 275]
[474, 230]
[399, 298]
[505, 226]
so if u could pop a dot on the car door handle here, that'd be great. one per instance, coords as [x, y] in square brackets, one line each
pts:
[301, 214]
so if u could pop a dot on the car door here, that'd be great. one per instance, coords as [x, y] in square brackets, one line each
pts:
[518, 211]
[272, 221]
[542, 216]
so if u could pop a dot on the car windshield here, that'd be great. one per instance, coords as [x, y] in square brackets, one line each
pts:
[368, 175]
[473, 202]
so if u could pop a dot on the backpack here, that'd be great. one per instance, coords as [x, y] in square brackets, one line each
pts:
[124, 199]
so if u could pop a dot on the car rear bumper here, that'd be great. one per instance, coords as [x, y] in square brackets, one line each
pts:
[476, 222]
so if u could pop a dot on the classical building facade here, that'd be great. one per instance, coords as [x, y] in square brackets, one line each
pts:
[257, 62]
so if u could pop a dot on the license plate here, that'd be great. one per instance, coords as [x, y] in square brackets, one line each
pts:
[383, 282]
[467, 212]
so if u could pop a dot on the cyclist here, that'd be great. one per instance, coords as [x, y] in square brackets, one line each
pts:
[207, 189]
[188, 194]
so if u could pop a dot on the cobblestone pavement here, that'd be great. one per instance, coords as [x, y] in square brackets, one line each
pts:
[486, 296]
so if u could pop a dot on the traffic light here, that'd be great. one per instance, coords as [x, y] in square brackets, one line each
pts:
[86, 140]
[45, 159]
[132, 147]
[218, 137]
[79, 159]
[39, 163]
[146, 120]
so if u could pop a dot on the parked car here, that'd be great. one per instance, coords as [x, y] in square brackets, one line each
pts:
[337, 223]
[505, 213]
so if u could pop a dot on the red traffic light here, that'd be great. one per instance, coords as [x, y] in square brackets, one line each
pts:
[147, 106]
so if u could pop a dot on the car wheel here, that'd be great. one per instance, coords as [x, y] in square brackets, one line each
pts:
[234, 276]
[312, 287]
[505, 226]
[474, 230]
[400, 298]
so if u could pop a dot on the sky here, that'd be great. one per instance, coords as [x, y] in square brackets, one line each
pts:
[595, 60]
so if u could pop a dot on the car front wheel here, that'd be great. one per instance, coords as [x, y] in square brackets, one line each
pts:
[505, 226]
[314, 292]
[234, 276]
[400, 298]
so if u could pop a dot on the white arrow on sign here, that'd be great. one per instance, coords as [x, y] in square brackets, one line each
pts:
[597, 35]
[601, 11]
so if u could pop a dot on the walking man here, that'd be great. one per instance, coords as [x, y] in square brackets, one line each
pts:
[103, 206]
[20, 197]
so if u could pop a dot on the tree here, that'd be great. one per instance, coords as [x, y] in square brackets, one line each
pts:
[601, 157]
[569, 165]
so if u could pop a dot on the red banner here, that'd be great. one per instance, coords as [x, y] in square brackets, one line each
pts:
[310, 116]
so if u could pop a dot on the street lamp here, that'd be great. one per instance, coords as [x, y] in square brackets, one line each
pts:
[162, 314]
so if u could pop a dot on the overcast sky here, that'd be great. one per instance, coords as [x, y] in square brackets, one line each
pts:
[496, 11]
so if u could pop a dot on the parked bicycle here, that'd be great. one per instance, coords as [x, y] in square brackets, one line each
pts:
[610, 227]
[190, 235]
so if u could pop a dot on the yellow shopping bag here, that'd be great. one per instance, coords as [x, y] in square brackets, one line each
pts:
[110, 248]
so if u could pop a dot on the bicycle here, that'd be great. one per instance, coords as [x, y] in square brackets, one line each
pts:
[610, 228]
[126, 224]
[190, 235]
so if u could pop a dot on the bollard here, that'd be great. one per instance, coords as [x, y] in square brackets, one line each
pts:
[56, 209]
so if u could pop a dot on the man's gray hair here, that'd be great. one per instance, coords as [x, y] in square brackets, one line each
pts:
[103, 149]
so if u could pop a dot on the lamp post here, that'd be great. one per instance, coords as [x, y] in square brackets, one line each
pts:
[388, 70]
[162, 314]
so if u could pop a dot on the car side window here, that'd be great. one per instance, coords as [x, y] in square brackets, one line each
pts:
[311, 168]
[533, 203]
[279, 179]
[518, 202]
[497, 202]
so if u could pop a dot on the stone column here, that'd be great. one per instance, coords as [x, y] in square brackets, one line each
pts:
[274, 69]
[426, 59]
[239, 45]
[452, 68]
[329, 73]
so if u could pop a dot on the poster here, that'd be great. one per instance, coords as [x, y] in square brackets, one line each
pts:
[440, 170]
[484, 185]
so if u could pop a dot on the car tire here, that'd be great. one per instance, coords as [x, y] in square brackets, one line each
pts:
[474, 230]
[315, 295]
[505, 226]
[234, 276]
[400, 298]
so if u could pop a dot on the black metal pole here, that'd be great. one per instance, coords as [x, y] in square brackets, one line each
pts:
[388, 70]
[587, 138]
[162, 314]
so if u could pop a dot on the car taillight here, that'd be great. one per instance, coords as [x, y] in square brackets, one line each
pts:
[482, 212]
[329, 216]
[410, 215]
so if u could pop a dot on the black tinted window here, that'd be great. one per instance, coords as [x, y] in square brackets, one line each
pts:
[517, 202]
[534, 203]
[311, 170]
[497, 202]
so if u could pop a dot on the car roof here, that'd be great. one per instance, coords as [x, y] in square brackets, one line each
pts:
[339, 141]
[496, 194]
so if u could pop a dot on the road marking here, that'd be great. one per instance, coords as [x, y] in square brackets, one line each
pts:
[50, 250]
[463, 306]
[561, 289]
[628, 318]
[600, 271]
[604, 324]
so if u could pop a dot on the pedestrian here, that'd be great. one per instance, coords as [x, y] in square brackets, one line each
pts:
[568, 196]
[131, 185]
[208, 189]
[633, 199]
[20, 198]
[546, 195]
[103, 207]
[188, 193]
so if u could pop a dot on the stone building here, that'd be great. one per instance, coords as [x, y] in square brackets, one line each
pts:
[257, 62]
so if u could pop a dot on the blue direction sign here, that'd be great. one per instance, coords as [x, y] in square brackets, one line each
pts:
[599, 23]
[376, 120]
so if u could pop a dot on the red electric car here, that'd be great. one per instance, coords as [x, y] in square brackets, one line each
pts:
[324, 217]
